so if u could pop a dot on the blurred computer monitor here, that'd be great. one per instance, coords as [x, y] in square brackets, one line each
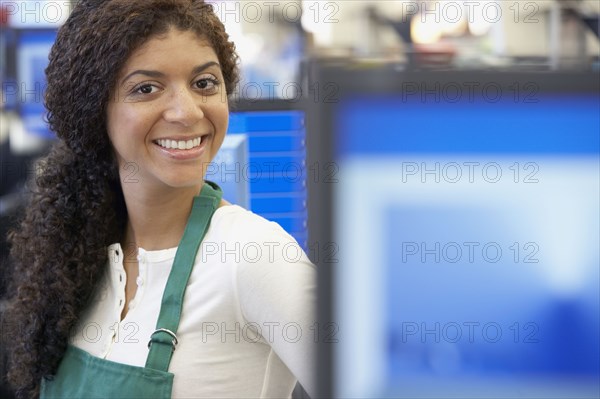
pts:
[463, 227]
[27, 92]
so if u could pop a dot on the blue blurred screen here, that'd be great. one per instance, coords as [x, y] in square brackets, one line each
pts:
[552, 123]
[28, 92]
[469, 266]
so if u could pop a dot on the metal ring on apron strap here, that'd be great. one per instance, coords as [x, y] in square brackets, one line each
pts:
[171, 333]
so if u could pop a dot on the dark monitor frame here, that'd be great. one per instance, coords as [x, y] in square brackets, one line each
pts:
[272, 104]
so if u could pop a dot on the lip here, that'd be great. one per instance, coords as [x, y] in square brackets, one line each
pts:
[178, 154]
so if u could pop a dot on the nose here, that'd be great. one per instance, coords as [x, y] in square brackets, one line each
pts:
[184, 107]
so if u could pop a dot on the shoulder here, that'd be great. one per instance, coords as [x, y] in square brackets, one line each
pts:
[240, 235]
[235, 222]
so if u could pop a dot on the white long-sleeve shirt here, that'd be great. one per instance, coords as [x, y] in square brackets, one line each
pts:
[248, 323]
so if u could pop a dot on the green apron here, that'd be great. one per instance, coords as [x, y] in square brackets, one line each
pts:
[81, 375]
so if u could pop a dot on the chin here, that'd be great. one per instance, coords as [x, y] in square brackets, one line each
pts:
[186, 184]
[182, 182]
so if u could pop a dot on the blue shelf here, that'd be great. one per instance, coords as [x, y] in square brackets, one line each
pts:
[276, 169]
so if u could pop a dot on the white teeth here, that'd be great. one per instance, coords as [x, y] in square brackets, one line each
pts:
[181, 144]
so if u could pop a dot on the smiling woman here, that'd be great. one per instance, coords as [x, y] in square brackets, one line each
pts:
[148, 284]
[170, 115]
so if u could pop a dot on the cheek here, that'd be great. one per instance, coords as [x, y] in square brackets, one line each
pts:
[224, 120]
[219, 117]
[122, 128]
[126, 122]
[224, 115]
[111, 129]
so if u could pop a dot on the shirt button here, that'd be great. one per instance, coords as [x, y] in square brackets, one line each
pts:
[139, 281]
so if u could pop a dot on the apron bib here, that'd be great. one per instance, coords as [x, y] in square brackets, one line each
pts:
[81, 375]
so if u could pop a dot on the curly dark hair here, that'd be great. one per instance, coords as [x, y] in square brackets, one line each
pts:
[76, 206]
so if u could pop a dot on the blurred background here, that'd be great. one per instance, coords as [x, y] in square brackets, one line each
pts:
[438, 161]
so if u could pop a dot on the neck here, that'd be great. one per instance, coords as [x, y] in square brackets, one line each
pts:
[156, 217]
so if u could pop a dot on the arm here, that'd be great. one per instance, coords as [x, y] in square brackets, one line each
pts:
[279, 292]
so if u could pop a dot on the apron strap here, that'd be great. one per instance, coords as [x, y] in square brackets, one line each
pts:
[164, 340]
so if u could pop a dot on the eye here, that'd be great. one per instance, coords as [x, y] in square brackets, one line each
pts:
[207, 84]
[145, 88]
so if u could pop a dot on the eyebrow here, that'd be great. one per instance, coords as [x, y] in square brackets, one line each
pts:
[157, 74]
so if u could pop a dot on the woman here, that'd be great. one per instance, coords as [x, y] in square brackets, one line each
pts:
[137, 95]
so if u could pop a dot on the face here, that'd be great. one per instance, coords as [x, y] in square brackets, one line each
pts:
[168, 113]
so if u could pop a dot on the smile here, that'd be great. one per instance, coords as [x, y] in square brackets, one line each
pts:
[179, 144]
